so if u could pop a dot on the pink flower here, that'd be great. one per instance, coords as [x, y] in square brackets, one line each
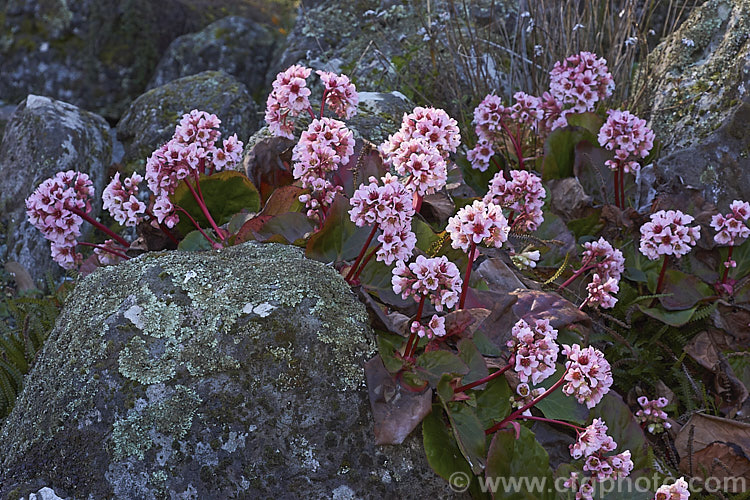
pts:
[478, 223]
[675, 491]
[651, 414]
[668, 234]
[593, 440]
[119, 199]
[601, 292]
[535, 349]
[397, 244]
[607, 260]
[479, 156]
[435, 328]
[628, 136]
[588, 374]
[389, 206]
[50, 209]
[340, 94]
[436, 278]
[106, 258]
[580, 81]
[732, 228]
[523, 194]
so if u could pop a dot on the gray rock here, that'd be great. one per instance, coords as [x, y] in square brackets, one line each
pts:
[698, 100]
[43, 137]
[151, 119]
[228, 374]
[236, 45]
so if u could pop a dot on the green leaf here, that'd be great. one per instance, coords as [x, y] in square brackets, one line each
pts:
[485, 346]
[433, 364]
[388, 345]
[445, 388]
[470, 355]
[291, 226]
[559, 151]
[476, 180]
[523, 460]
[469, 434]
[493, 403]
[623, 428]
[426, 237]
[558, 406]
[589, 121]
[587, 225]
[195, 242]
[671, 318]
[444, 455]
[225, 194]
[685, 290]
[339, 239]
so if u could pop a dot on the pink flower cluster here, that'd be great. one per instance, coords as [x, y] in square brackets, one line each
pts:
[478, 223]
[612, 467]
[675, 491]
[51, 208]
[601, 291]
[668, 233]
[435, 278]
[108, 258]
[322, 148]
[119, 199]
[588, 374]
[526, 395]
[580, 81]
[732, 227]
[651, 414]
[340, 94]
[607, 260]
[535, 349]
[192, 151]
[390, 208]
[593, 440]
[420, 148]
[289, 97]
[628, 136]
[435, 328]
[523, 194]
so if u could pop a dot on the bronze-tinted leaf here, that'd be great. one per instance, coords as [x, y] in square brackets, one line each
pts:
[535, 304]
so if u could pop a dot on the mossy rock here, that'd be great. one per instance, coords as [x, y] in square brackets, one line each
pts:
[226, 374]
[42, 137]
[151, 119]
[236, 45]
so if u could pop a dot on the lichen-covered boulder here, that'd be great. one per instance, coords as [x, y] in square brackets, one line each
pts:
[697, 95]
[151, 119]
[236, 45]
[43, 137]
[229, 374]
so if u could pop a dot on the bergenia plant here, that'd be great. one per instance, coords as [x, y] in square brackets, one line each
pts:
[607, 264]
[652, 416]
[731, 229]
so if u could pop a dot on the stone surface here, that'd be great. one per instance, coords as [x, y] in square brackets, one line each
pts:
[698, 101]
[228, 374]
[43, 137]
[101, 54]
[151, 119]
[239, 46]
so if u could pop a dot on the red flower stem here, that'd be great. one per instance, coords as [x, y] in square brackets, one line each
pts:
[119, 239]
[323, 103]
[525, 407]
[411, 346]
[617, 187]
[511, 215]
[362, 252]
[662, 274]
[213, 243]
[417, 202]
[465, 287]
[576, 274]
[367, 259]
[199, 199]
[163, 228]
[552, 421]
[102, 247]
[486, 379]
[312, 113]
[726, 269]
[622, 189]
[516, 144]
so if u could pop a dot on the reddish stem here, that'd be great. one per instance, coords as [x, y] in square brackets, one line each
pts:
[417, 203]
[465, 287]
[362, 252]
[516, 144]
[312, 113]
[617, 187]
[622, 189]
[662, 273]
[726, 269]
[486, 379]
[323, 103]
[525, 407]
[119, 239]
[197, 226]
[552, 421]
[199, 199]
[411, 346]
[102, 247]
[576, 274]
[367, 259]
